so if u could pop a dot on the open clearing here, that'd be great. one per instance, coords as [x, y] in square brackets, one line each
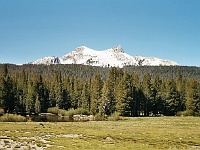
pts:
[132, 133]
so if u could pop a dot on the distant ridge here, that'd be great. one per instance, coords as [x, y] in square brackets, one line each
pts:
[115, 57]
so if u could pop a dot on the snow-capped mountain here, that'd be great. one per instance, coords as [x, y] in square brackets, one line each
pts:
[111, 57]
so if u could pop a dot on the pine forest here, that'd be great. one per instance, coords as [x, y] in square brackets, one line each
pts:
[130, 91]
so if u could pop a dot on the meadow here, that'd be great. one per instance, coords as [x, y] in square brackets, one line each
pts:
[130, 133]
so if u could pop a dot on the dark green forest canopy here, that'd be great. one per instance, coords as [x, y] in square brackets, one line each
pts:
[84, 71]
[76, 70]
[166, 71]
[130, 91]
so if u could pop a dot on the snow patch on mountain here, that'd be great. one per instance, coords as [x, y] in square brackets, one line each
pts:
[47, 60]
[115, 56]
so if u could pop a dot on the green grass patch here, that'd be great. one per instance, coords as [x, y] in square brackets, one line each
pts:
[131, 133]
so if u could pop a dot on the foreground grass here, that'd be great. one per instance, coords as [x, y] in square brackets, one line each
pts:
[133, 133]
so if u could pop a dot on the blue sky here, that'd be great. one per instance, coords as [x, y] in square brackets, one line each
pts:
[167, 29]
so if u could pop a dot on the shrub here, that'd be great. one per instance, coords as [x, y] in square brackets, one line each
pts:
[62, 112]
[12, 118]
[1, 111]
[100, 117]
[185, 113]
[53, 110]
[82, 111]
[69, 112]
[114, 117]
[72, 112]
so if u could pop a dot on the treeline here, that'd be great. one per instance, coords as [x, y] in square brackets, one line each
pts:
[86, 71]
[99, 90]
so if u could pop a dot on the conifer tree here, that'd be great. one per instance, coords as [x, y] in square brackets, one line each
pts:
[172, 98]
[69, 86]
[3, 87]
[180, 86]
[22, 91]
[193, 97]
[105, 105]
[68, 90]
[96, 89]
[136, 95]
[59, 90]
[147, 90]
[124, 95]
[77, 93]
[7, 96]
[109, 92]
[41, 94]
[157, 97]
[37, 105]
[30, 98]
[85, 96]
[51, 87]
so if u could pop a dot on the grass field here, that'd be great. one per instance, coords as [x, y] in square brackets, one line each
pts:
[132, 133]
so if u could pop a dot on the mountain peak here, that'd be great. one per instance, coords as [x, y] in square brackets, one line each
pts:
[79, 49]
[83, 47]
[118, 49]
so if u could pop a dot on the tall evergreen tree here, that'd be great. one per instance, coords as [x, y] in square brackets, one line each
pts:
[172, 98]
[124, 95]
[105, 105]
[157, 103]
[109, 92]
[77, 93]
[41, 94]
[7, 96]
[37, 105]
[147, 90]
[30, 98]
[193, 97]
[96, 89]
[136, 95]
[22, 89]
[85, 96]
[180, 86]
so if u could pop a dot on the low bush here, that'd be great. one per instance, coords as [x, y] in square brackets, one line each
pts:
[53, 110]
[185, 113]
[100, 117]
[114, 117]
[1, 111]
[79, 111]
[62, 112]
[69, 112]
[12, 118]
[82, 111]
